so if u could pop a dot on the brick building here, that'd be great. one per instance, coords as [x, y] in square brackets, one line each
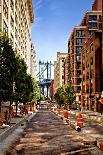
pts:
[91, 22]
[59, 70]
[102, 34]
[66, 71]
[76, 40]
[92, 73]
[97, 5]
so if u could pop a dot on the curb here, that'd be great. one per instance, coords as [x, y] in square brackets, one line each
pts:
[7, 132]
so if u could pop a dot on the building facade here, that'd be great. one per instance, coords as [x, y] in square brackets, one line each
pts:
[102, 34]
[66, 70]
[97, 5]
[78, 37]
[92, 73]
[52, 90]
[59, 70]
[92, 22]
[33, 62]
[16, 17]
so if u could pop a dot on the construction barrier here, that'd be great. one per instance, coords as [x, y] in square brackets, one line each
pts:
[2, 118]
[100, 144]
[74, 126]
[79, 120]
[65, 113]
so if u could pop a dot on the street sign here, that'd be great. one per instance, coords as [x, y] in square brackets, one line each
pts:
[101, 100]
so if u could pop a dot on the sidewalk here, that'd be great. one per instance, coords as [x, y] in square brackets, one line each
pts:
[10, 134]
[93, 116]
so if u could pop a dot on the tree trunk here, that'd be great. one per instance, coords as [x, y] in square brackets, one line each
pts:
[0, 106]
[16, 108]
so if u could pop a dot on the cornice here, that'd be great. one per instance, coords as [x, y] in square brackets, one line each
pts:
[30, 6]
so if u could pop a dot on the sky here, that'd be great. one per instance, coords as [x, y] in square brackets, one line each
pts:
[53, 24]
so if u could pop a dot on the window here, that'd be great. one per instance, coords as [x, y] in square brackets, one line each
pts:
[79, 33]
[92, 25]
[92, 17]
[78, 73]
[16, 33]
[12, 4]
[5, 9]
[11, 38]
[79, 41]
[5, 27]
[78, 81]
[100, 26]
[78, 88]
[16, 17]
[12, 22]
[78, 50]
[91, 32]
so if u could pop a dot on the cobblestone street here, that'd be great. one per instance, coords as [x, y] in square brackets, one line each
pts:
[46, 134]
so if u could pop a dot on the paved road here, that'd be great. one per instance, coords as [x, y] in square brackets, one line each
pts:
[46, 134]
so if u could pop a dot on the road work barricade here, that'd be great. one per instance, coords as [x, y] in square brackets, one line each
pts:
[65, 113]
[73, 124]
[79, 120]
[2, 119]
[100, 144]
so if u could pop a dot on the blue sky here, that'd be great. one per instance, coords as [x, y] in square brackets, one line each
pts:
[53, 23]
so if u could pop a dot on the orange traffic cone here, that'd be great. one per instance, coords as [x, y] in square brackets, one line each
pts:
[80, 120]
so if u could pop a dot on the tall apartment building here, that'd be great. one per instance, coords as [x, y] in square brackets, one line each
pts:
[97, 5]
[91, 23]
[52, 90]
[93, 20]
[76, 40]
[59, 70]
[92, 73]
[16, 17]
[102, 33]
[66, 70]
[33, 62]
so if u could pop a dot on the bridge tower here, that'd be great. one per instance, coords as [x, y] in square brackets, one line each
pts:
[44, 76]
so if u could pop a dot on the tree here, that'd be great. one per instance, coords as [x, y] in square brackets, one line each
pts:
[7, 68]
[23, 83]
[59, 96]
[70, 94]
[65, 95]
[43, 98]
[36, 92]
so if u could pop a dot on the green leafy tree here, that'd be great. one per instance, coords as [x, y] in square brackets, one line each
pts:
[43, 98]
[70, 94]
[23, 84]
[59, 96]
[36, 92]
[65, 95]
[7, 69]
